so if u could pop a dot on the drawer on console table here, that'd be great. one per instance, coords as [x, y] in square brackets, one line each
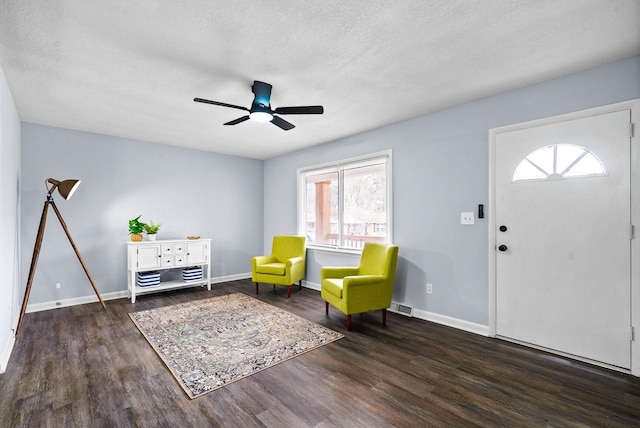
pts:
[179, 260]
[173, 249]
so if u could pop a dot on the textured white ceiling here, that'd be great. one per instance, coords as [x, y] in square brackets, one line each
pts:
[132, 68]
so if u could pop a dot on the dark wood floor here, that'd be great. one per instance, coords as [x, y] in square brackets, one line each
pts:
[86, 367]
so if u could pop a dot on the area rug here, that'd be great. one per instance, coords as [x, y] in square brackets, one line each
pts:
[210, 343]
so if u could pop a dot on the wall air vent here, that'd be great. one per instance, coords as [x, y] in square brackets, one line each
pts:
[401, 309]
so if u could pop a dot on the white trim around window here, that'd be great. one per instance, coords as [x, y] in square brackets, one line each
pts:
[337, 233]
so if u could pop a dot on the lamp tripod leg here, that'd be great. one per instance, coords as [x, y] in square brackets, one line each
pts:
[64, 226]
[34, 262]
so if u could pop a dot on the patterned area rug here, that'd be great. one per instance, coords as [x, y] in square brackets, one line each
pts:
[210, 343]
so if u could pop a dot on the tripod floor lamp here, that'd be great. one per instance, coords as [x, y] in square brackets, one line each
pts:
[66, 188]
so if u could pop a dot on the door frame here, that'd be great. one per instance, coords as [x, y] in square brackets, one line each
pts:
[634, 106]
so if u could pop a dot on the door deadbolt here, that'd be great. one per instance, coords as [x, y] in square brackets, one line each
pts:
[503, 248]
[503, 228]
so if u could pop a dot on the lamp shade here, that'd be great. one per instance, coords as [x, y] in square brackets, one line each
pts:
[66, 188]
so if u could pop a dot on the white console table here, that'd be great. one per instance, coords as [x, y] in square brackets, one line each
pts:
[163, 255]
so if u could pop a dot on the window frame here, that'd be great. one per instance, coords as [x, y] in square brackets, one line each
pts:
[555, 175]
[339, 166]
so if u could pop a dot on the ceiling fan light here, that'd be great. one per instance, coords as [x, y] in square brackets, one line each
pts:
[261, 116]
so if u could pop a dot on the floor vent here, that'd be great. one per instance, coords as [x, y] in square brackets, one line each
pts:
[401, 309]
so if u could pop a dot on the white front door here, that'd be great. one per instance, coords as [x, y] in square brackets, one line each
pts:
[563, 230]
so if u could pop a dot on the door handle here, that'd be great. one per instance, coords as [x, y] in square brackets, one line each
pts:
[503, 248]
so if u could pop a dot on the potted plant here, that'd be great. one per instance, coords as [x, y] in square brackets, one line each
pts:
[136, 227]
[151, 229]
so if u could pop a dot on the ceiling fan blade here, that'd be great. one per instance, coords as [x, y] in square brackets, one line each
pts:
[217, 103]
[262, 93]
[300, 110]
[278, 121]
[238, 120]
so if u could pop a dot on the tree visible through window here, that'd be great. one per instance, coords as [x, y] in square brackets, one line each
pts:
[557, 162]
[348, 204]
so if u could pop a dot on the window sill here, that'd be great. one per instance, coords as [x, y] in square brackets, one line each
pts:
[334, 250]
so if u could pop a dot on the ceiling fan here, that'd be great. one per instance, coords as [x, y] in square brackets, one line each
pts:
[261, 111]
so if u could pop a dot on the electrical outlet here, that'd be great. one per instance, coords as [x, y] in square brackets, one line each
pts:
[57, 285]
[429, 288]
[467, 218]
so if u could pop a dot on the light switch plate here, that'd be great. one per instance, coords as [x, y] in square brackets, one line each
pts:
[467, 218]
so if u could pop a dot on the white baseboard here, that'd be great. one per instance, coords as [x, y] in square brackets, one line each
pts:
[311, 285]
[480, 329]
[471, 327]
[6, 353]
[45, 306]
[228, 278]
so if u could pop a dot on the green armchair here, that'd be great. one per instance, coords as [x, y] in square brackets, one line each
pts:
[368, 287]
[285, 266]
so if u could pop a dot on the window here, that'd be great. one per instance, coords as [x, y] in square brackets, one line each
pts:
[347, 203]
[557, 162]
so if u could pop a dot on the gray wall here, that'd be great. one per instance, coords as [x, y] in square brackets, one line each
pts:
[10, 290]
[440, 168]
[190, 192]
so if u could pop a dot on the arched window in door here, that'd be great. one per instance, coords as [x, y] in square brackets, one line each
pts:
[559, 161]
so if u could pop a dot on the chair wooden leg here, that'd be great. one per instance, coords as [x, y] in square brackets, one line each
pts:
[384, 317]
[256, 288]
[274, 286]
[326, 308]
[300, 285]
[349, 322]
[288, 292]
